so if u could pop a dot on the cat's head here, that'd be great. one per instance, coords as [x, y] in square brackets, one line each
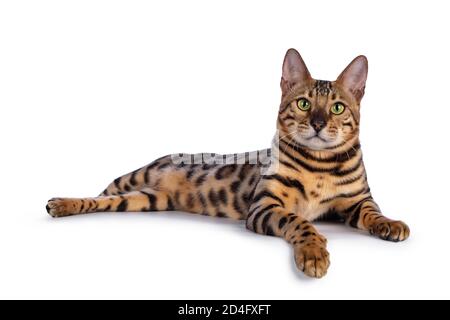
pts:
[316, 114]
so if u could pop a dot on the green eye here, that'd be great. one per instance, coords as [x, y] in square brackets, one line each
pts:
[337, 108]
[304, 104]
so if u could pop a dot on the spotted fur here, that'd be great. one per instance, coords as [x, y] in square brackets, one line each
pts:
[317, 173]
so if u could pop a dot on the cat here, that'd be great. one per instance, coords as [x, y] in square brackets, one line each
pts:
[313, 170]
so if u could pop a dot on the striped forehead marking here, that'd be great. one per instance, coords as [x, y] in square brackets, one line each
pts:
[322, 87]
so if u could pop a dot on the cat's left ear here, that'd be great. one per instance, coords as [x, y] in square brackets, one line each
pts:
[354, 77]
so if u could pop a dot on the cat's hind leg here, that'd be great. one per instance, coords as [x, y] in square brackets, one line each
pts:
[146, 199]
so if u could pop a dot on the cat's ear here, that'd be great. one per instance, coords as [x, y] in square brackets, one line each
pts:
[294, 70]
[354, 77]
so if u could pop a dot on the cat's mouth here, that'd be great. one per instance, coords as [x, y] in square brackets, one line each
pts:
[316, 136]
[317, 141]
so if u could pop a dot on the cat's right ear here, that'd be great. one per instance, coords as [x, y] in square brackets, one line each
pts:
[294, 70]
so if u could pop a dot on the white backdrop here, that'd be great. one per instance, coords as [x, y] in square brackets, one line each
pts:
[90, 90]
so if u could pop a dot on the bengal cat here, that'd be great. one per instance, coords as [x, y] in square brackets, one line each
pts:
[314, 169]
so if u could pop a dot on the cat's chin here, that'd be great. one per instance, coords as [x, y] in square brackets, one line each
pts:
[317, 144]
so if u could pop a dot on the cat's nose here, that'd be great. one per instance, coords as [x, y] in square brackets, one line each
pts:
[318, 124]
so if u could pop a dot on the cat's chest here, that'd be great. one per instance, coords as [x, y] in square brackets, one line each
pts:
[306, 193]
[319, 196]
[318, 188]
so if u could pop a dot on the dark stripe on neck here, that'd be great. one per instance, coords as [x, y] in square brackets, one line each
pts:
[336, 171]
[351, 180]
[337, 158]
[341, 173]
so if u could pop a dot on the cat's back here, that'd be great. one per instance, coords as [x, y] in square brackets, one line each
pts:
[208, 183]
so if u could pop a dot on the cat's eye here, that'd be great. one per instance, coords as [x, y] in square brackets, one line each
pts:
[337, 108]
[303, 104]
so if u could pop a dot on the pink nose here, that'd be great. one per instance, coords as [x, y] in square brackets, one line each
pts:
[318, 125]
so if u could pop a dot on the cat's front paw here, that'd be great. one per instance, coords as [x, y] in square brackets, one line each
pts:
[61, 207]
[390, 230]
[312, 259]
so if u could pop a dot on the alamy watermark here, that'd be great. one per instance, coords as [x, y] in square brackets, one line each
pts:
[267, 160]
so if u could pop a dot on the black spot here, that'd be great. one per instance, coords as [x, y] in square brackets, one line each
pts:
[89, 206]
[127, 187]
[213, 197]
[170, 206]
[164, 165]
[151, 200]
[200, 180]
[223, 197]
[147, 170]
[177, 198]
[208, 166]
[123, 205]
[247, 198]
[133, 181]
[202, 200]
[282, 223]
[245, 169]
[314, 194]
[306, 234]
[190, 202]
[221, 214]
[190, 173]
[225, 171]
[252, 180]
[237, 206]
[235, 186]
[117, 182]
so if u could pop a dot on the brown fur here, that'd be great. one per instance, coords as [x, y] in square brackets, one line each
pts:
[316, 172]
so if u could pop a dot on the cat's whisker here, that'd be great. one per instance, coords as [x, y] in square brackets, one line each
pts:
[288, 144]
[291, 133]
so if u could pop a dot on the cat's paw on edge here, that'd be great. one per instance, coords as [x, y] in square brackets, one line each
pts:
[313, 260]
[391, 230]
[59, 207]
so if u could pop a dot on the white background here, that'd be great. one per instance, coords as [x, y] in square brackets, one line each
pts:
[90, 90]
